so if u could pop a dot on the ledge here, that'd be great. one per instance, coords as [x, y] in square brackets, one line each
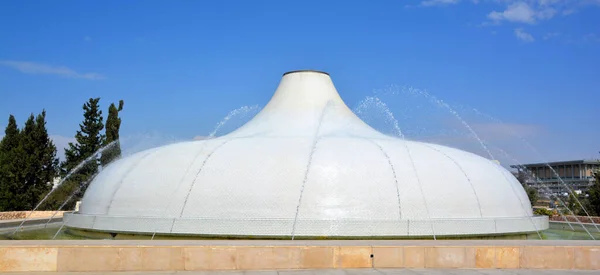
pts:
[398, 243]
[307, 228]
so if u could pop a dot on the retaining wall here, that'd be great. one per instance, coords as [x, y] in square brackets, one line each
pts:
[106, 256]
[16, 215]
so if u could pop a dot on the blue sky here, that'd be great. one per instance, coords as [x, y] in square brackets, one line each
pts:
[182, 66]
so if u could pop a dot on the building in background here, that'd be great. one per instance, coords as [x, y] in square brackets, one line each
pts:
[578, 175]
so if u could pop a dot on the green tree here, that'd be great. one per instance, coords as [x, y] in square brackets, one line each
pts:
[47, 160]
[28, 164]
[594, 195]
[573, 205]
[39, 155]
[11, 135]
[113, 125]
[10, 168]
[532, 193]
[89, 140]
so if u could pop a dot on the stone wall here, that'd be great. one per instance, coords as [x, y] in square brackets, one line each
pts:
[107, 256]
[16, 215]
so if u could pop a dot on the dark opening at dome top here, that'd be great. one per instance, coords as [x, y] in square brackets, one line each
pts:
[306, 71]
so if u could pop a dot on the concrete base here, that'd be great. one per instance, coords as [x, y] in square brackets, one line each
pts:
[106, 256]
[268, 228]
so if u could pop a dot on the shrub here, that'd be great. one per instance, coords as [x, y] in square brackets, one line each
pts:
[543, 211]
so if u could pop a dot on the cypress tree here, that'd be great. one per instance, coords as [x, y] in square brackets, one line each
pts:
[113, 125]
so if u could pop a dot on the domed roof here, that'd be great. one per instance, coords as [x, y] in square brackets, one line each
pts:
[306, 166]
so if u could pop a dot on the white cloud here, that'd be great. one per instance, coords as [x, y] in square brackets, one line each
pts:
[39, 68]
[429, 3]
[551, 35]
[519, 12]
[591, 37]
[521, 34]
[546, 13]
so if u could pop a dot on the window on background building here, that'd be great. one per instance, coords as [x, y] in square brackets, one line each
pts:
[561, 171]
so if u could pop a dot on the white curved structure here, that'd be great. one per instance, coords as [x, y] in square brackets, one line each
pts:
[306, 166]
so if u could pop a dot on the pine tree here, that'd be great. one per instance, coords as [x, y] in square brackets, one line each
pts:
[28, 164]
[47, 160]
[40, 158]
[11, 135]
[113, 125]
[89, 140]
[9, 166]
[29, 155]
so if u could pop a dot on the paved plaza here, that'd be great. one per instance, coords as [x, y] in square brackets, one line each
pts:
[348, 272]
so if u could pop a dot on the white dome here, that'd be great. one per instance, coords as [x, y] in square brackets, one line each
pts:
[306, 166]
